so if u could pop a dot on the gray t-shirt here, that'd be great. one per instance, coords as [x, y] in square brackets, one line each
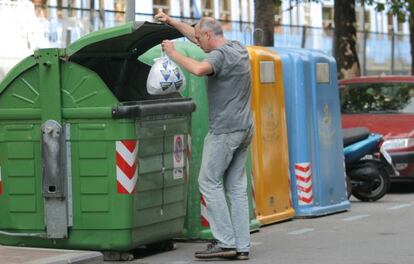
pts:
[229, 88]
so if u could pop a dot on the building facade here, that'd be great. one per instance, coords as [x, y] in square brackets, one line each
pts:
[304, 24]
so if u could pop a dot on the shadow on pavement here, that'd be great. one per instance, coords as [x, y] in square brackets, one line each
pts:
[145, 252]
[402, 187]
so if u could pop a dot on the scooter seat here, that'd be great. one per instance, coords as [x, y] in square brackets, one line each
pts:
[355, 134]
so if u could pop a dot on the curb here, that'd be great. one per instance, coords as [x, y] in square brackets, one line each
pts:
[25, 255]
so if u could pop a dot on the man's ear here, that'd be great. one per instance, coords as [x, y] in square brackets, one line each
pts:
[209, 34]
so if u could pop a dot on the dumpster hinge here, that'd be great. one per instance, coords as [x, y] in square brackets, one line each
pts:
[163, 169]
[54, 184]
[69, 195]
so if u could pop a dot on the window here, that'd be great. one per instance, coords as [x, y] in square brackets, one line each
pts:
[390, 22]
[400, 31]
[327, 17]
[367, 20]
[164, 4]
[377, 98]
[278, 14]
[400, 27]
[208, 8]
[119, 7]
[307, 10]
[225, 7]
[379, 24]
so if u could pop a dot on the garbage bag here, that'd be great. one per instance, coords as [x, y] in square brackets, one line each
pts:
[165, 77]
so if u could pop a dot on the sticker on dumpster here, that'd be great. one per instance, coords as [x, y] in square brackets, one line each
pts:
[126, 166]
[178, 172]
[325, 128]
[188, 149]
[270, 125]
[303, 175]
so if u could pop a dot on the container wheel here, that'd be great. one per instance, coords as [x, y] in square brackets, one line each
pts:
[117, 256]
[127, 256]
[166, 245]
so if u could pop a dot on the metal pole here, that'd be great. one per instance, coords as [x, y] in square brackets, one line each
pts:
[68, 36]
[364, 47]
[92, 13]
[240, 16]
[364, 54]
[303, 37]
[181, 8]
[392, 50]
[130, 10]
[102, 12]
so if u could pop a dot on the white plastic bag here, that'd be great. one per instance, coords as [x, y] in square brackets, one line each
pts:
[165, 77]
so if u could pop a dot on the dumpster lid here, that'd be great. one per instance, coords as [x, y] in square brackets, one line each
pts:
[128, 40]
[16, 71]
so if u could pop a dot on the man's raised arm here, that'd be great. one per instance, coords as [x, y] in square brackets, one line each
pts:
[184, 28]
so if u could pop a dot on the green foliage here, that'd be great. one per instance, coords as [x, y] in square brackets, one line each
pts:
[377, 97]
[400, 8]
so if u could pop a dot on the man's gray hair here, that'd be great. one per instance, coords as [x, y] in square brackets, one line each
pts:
[208, 23]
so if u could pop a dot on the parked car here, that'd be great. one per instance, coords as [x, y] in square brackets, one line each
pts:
[384, 105]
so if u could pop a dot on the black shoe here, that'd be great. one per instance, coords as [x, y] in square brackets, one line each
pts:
[214, 251]
[242, 256]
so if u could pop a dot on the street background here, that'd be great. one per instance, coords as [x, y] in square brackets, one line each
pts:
[370, 233]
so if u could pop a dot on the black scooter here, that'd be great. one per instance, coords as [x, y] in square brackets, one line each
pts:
[368, 166]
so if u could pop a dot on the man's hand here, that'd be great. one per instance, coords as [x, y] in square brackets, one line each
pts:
[185, 29]
[162, 17]
[168, 47]
[199, 68]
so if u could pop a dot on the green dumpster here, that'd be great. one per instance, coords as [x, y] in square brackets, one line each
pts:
[196, 224]
[88, 159]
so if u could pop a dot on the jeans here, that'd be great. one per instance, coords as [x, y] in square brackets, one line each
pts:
[223, 163]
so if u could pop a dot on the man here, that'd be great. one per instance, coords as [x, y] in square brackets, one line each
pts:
[230, 130]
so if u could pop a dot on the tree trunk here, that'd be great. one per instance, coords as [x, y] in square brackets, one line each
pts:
[412, 41]
[264, 22]
[345, 39]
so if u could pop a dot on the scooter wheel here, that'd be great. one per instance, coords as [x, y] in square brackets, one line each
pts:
[382, 187]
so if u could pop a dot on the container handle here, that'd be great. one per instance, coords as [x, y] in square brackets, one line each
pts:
[42, 235]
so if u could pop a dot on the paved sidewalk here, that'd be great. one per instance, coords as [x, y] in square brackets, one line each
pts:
[370, 233]
[23, 255]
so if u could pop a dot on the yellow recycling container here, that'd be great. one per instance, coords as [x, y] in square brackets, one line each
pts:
[271, 181]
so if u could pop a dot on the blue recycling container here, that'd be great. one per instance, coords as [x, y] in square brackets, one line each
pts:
[314, 132]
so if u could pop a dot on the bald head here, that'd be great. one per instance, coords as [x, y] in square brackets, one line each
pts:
[209, 23]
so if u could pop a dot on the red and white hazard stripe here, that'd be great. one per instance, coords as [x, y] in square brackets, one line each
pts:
[126, 166]
[303, 175]
[204, 221]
